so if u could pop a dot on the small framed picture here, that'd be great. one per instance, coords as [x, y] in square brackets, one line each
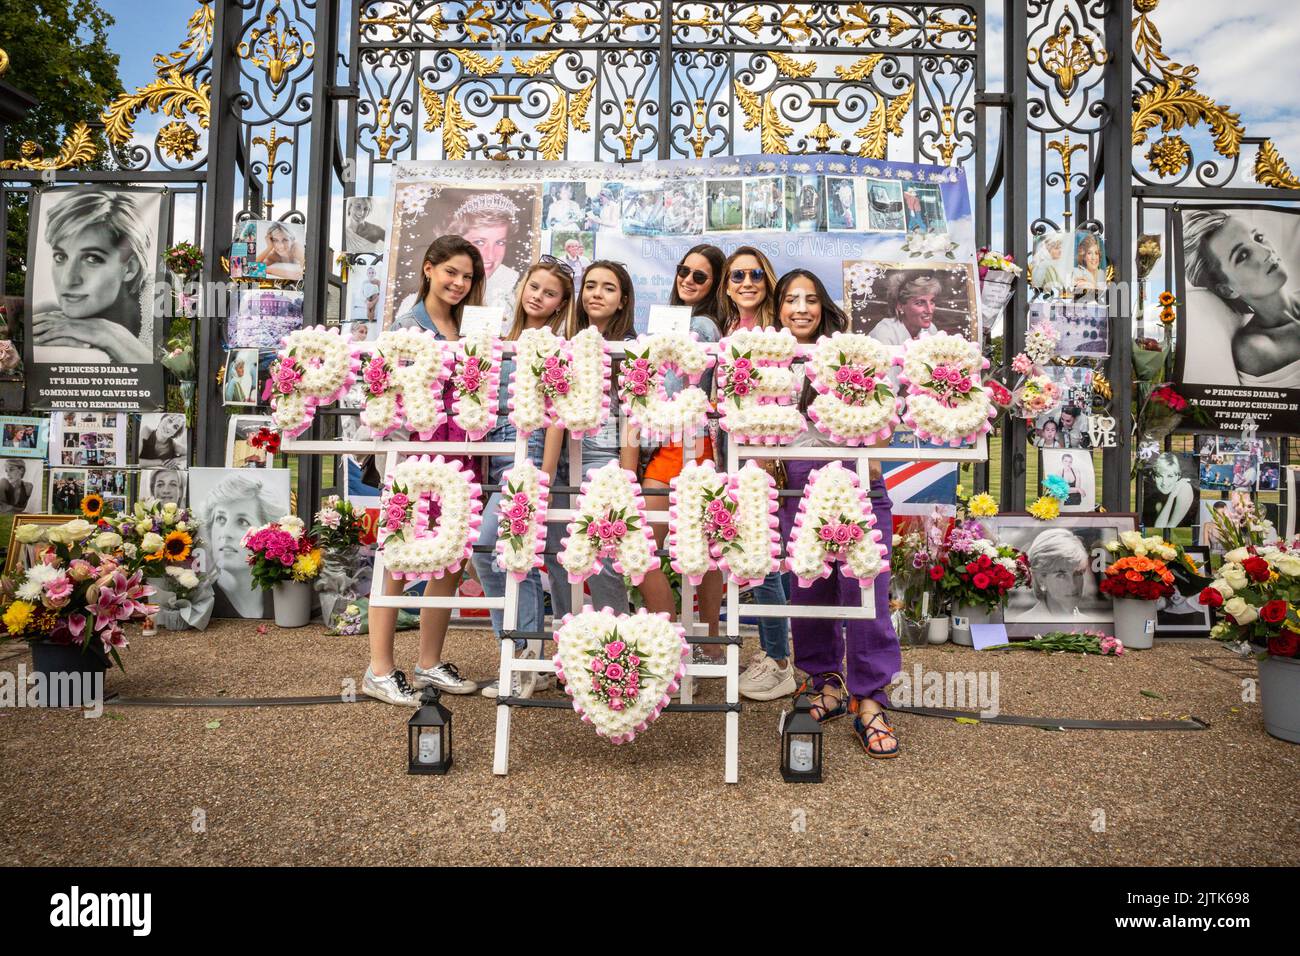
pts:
[163, 484]
[21, 555]
[240, 450]
[1181, 614]
[239, 387]
[21, 485]
[24, 437]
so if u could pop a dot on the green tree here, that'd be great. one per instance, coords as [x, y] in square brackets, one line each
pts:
[58, 53]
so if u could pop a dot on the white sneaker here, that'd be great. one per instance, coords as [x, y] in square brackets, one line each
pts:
[522, 683]
[758, 658]
[393, 689]
[445, 677]
[767, 680]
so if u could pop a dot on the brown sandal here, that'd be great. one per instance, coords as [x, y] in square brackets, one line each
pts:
[820, 712]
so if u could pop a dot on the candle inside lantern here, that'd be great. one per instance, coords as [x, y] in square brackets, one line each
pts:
[430, 747]
[801, 756]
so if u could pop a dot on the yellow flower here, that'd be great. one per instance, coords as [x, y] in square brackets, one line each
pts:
[1045, 508]
[177, 546]
[983, 505]
[92, 506]
[18, 616]
[307, 565]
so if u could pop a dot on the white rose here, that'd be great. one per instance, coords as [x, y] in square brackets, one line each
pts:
[152, 542]
[78, 529]
[1241, 612]
[1130, 540]
[189, 580]
[108, 541]
[144, 527]
[1288, 564]
[1223, 588]
[1236, 556]
[29, 533]
[1235, 575]
[182, 526]
[169, 508]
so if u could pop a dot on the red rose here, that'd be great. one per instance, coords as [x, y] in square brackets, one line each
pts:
[936, 573]
[1286, 644]
[1273, 611]
[972, 568]
[1212, 597]
[983, 562]
[1257, 568]
[981, 580]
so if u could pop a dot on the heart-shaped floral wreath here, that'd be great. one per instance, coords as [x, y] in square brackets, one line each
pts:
[620, 670]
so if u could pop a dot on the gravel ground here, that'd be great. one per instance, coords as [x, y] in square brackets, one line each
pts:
[325, 785]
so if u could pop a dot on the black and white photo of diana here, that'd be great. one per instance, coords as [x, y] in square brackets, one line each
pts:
[93, 277]
[1241, 281]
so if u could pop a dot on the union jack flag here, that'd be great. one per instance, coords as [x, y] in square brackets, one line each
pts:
[917, 486]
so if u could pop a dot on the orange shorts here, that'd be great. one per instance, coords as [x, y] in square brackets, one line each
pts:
[667, 461]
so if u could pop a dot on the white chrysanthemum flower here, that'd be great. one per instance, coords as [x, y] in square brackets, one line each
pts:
[529, 480]
[418, 551]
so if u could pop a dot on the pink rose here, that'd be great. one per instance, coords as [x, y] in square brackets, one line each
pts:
[855, 532]
[631, 693]
[715, 506]
[841, 534]
[740, 375]
[615, 648]
[640, 388]
[562, 388]
[399, 499]
[519, 526]
[842, 374]
[729, 532]
[614, 702]
[598, 665]
[963, 385]
[606, 530]
[743, 363]
[396, 514]
[614, 671]
[740, 388]
[80, 569]
[551, 362]
[593, 529]
[826, 532]
[515, 512]
[595, 685]
[634, 661]
[521, 499]
[642, 364]
[857, 378]
[613, 691]
[620, 528]
[638, 376]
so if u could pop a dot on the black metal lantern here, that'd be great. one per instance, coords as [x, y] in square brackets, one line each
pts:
[801, 744]
[429, 736]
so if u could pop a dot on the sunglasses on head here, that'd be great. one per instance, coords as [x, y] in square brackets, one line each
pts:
[699, 277]
[552, 261]
[738, 275]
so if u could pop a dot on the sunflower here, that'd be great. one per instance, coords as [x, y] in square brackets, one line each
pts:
[177, 546]
[92, 506]
[1166, 298]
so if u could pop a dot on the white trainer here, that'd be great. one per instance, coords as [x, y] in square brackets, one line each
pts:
[767, 680]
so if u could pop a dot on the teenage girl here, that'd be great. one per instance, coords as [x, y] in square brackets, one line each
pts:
[820, 643]
[545, 300]
[452, 277]
[606, 304]
[697, 278]
[745, 297]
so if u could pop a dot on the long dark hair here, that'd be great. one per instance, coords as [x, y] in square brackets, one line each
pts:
[728, 314]
[621, 322]
[448, 247]
[708, 304]
[833, 319]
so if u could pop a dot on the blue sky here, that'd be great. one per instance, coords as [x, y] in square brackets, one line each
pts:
[1213, 34]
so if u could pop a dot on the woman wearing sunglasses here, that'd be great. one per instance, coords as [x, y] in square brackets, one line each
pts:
[697, 275]
[746, 301]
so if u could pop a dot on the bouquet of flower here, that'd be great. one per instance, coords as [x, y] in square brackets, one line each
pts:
[184, 259]
[161, 540]
[916, 549]
[1138, 578]
[1256, 596]
[337, 526]
[1088, 642]
[266, 439]
[74, 594]
[282, 551]
[975, 571]
[607, 530]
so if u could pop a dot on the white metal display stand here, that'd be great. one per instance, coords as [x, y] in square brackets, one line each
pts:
[508, 604]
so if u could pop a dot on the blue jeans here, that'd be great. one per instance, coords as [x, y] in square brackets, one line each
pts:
[607, 587]
[532, 608]
[773, 632]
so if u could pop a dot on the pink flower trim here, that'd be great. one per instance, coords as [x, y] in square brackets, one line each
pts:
[488, 390]
[773, 529]
[311, 402]
[538, 521]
